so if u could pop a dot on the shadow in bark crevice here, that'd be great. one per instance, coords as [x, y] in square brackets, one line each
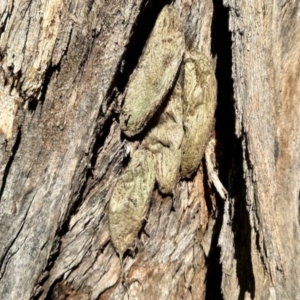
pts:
[241, 226]
[33, 102]
[11, 160]
[224, 131]
[149, 12]
[142, 28]
[230, 164]
[214, 268]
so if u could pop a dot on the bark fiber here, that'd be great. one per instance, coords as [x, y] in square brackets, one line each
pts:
[63, 68]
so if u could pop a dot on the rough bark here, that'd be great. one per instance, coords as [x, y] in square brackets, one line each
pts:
[64, 65]
[260, 252]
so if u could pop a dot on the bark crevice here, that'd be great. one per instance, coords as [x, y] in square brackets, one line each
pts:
[141, 30]
[241, 226]
[221, 48]
[10, 161]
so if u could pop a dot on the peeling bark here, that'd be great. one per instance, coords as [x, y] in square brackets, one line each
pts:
[260, 224]
[64, 67]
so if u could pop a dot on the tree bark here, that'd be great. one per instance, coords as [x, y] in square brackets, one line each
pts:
[64, 68]
[265, 220]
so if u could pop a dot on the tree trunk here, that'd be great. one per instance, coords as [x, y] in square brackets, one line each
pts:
[229, 232]
[264, 213]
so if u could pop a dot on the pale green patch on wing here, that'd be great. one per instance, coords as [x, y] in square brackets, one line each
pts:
[199, 104]
[155, 73]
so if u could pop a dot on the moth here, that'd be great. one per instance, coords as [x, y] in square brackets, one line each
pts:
[155, 73]
[199, 104]
[130, 201]
[173, 90]
[164, 141]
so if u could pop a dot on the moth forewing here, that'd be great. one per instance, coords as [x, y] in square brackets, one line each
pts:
[164, 141]
[130, 201]
[155, 73]
[199, 103]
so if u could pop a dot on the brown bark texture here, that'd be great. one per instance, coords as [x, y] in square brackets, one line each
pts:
[229, 232]
[264, 241]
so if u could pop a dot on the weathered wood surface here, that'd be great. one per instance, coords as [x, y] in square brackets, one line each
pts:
[63, 64]
[260, 232]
